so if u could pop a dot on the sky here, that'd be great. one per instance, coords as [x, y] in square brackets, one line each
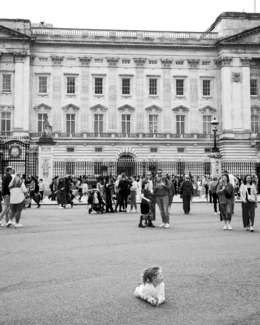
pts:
[162, 15]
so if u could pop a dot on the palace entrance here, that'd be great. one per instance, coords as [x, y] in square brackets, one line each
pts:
[126, 164]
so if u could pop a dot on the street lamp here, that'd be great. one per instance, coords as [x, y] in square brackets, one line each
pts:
[215, 124]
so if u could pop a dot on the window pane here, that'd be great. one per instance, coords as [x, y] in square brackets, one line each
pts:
[253, 87]
[153, 86]
[6, 121]
[42, 85]
[207, 124]
[7, 83]
[98, 86]
[206, 87]
[70, 85]
[254, 123]
[153, 123]
[179, 87]
[180, 124]
[126, 86]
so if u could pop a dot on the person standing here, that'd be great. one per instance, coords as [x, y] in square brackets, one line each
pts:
[171, 192]
[41, 189]
[151, 186]
[124, 185]
[133, 193]
[17, 191]
[233, 181]
[61, 195]
[248, 194]
[213, 189]
[6, 195]
[187, 192]
[225, 193]
[161, 193]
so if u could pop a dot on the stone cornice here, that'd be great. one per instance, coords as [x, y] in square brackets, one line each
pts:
[99, 106]
[7, 107]
[209, 108]
[42, 106]
[140, 61]
[224, 61]
[126, 107]
[245, 61]
[180, 108]
[112, 62]
[193, 63]
[85, 60]
[57, 59]
[166, 62]
[72, 106]
[155, 107]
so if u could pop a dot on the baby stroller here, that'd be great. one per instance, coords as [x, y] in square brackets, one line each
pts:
[96, 202]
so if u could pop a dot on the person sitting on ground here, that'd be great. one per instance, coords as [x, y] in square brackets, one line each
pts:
[152, 289]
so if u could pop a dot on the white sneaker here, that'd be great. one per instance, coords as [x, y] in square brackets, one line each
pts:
[216, 213]
[229, 227]
[251, 229]
[247, 228]
[167, 225]
[162, 225]
[9, 223]
[225, 227]
[18, 225]
[1, 225]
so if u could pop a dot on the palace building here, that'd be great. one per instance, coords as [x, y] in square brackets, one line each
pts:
[129, 100]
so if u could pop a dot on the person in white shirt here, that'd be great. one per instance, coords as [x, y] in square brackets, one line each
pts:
[233, 181]
[133, 192]
[152, 289]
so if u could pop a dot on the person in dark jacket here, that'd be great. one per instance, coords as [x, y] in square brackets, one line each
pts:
[6, 195]
[61, 196]
[186, 190]
[161, 193]
[123, 190]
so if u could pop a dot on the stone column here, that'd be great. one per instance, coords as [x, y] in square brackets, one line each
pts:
[21, 96]
[57, 93]
[112, 94]
[140, 93]
[84, 92]
[194, 95]
[226, 90]
[167, 114]
[246, 103]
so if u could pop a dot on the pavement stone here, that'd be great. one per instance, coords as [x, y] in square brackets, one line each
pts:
[71, 267]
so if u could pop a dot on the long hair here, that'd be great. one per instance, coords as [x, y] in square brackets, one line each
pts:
[244, 181]
[143, 184]
[226, 177]
[149, 274]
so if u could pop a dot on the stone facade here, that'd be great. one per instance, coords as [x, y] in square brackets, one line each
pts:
[148, 95]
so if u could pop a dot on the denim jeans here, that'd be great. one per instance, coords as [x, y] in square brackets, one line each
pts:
[133, 200]
[6, 209]
[163, 203]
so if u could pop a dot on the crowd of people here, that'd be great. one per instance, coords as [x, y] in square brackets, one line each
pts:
[121, 195]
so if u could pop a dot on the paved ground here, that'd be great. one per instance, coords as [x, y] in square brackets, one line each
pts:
[68, 267]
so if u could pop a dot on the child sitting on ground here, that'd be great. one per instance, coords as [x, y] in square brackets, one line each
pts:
[145, 212]
[152, 289]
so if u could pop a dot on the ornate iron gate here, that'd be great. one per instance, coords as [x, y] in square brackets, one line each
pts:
[17, 154]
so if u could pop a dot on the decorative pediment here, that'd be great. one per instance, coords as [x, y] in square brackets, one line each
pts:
[255, 108]
[10, 33]
[180, 108]
[209, 108]
[247, 36]
[155, 107]
[42, 106]
[99, 106]
[126, 107]
[70, 106]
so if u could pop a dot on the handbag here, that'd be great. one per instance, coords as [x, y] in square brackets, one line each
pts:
[27, 199]
[250, 197]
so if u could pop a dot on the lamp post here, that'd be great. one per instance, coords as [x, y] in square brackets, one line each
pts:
[215, 124]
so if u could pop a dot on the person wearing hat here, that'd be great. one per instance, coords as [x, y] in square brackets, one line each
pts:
[186, 190]
[6, 195]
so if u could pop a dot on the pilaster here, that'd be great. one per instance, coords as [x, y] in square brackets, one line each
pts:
[140, 94]
[84, 93]
[246, 104]
[167, 116]
[112, 93]
[194, 95]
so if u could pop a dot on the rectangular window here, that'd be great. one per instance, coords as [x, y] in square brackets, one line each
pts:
[179, 87]
[253, 87]
[98, 60]
[180, 124]
[205, 62]
[98, 123]
[126, 123]
[41, 119]
[43, 59]
[98, 85]
[5, 122]
[153, 123]
[153, 149]
[206, 87]
[70, 149]
[42, 85]
[152, 61]
[126, 86]
[70, 123]
[70, 85]
[152, 86]
[179, 62]
[97, 149]
[6, 83]
[125, 61]
[181, 149]
[254, 123]
[206, 124]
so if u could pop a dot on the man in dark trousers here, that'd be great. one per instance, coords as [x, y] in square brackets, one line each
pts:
[186, 191]
[6, 195]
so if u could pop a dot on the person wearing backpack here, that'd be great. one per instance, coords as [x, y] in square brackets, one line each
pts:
[213, 189]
